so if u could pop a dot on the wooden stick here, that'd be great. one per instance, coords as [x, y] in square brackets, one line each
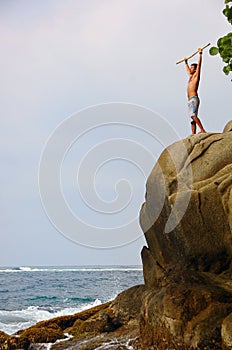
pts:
[192, 54]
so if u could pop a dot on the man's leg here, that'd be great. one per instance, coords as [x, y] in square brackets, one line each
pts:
[198, 122]
[193, 127]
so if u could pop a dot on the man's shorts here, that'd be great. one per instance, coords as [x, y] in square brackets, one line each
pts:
[193, 105]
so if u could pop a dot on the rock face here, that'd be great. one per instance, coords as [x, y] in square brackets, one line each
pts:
[188, 268]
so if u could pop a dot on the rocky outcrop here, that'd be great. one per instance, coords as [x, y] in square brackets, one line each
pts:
[187, 269]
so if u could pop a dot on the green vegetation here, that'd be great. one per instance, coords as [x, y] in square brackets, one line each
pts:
[224, 44]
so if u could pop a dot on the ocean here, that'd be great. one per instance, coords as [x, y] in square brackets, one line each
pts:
[32, 294]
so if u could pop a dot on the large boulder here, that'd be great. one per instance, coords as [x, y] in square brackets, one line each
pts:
[187, 222]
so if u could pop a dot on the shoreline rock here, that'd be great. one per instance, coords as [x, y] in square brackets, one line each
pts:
[96, 326]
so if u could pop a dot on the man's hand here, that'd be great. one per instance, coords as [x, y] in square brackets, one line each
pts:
[200, 50]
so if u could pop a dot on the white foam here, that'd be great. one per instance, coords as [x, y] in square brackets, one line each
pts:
[70, 269]
[12, 321]
[113, 343]
[48, 346]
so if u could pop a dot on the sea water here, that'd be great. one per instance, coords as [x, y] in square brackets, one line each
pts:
[32, 294]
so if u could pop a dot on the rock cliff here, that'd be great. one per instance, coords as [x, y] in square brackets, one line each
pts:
[188, 270]
[186, 302]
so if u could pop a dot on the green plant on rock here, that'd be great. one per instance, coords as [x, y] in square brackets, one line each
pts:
[224, 44]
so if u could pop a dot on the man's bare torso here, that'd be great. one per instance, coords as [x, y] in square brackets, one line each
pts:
[193, 84]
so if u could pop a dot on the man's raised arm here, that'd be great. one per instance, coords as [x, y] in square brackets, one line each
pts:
[199, 62]
[187, 66]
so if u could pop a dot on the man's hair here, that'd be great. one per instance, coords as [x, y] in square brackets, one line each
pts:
[194, 64]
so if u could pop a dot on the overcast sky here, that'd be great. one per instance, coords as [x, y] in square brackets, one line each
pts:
[58, 60]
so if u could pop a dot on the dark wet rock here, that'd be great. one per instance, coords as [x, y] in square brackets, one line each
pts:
[127, 305]
[186, 313]
[40, 333]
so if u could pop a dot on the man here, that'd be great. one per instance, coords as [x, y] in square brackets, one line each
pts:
[193, 100]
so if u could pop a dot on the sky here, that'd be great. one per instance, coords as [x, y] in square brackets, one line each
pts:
[90, 95]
